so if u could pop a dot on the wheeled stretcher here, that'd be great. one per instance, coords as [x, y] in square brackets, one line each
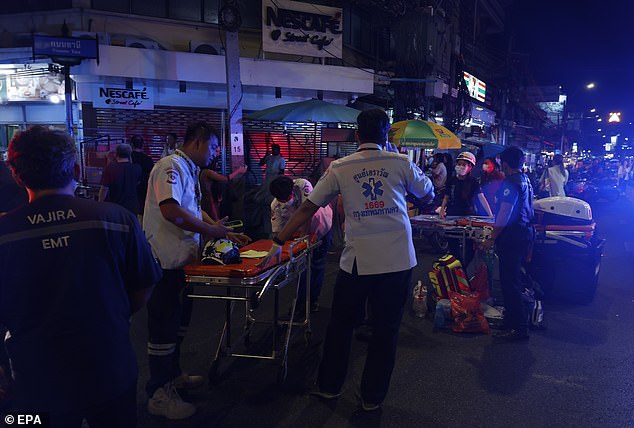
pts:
[249, 284]
[461, 228]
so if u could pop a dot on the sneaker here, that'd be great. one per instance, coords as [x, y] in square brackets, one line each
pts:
[325, 395]
[368, 407]
[166, 402]
[185, 381]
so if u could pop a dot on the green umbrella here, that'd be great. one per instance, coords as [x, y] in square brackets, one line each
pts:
[307, 111]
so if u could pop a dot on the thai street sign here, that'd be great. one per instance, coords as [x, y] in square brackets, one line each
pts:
[68, 47]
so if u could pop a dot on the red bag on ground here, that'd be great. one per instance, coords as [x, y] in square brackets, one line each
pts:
[480, 282]
[466, 313]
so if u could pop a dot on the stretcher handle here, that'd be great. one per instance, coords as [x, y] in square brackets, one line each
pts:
[305, 239]
[270, 280]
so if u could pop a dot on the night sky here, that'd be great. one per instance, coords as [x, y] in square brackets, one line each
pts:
[574, 42]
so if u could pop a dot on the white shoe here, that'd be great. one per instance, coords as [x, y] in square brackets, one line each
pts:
[166, 402]
[185, 381]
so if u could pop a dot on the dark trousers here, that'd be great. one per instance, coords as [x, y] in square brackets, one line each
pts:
[317, 271]
[511, 255]
[386, 295]
[119, 412]
[169, 313]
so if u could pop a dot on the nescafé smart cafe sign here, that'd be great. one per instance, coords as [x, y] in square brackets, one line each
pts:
[297, 28]
[111, 96]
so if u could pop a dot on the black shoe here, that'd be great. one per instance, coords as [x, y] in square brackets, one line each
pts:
[366, 406]
[511, 336]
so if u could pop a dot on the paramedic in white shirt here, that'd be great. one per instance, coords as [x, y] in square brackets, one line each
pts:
[377, 261]
[173, 223]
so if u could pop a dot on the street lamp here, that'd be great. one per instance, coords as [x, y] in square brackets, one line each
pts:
[564, 121]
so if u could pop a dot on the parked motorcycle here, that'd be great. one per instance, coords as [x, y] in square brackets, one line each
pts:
[593, 190]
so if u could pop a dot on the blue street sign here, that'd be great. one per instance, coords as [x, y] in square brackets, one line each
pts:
[72, 47]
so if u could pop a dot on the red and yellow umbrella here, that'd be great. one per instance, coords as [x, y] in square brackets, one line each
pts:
[422, 134]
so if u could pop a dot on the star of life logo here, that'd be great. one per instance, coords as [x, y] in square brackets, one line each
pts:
[172, 176]
[372, 188]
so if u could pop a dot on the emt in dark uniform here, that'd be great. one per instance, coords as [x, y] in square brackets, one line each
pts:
[513, 235]
[72, 272]
[377, 261]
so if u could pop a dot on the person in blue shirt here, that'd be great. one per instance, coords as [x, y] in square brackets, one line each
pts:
[513, 235]
[72, 272]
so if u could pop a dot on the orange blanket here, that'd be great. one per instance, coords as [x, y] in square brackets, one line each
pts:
[248, 268]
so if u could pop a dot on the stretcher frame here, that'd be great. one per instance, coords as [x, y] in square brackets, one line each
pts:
[459, 228]
[251, 290]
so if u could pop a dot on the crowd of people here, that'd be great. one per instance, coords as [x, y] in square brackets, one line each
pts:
[68, 337]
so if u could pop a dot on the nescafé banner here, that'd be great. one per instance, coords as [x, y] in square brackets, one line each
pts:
[112, 96]
[297, 28]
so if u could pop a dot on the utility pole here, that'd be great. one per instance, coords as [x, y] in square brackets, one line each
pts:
[230, 20]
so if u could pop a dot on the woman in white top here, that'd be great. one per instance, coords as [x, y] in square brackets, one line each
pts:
[557, 177]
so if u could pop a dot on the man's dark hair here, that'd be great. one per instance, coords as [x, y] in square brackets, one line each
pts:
[275, 148]
[281, 187]
[124, 151]
[373, 126]
[200, 130]
[42, 158]
[173, 135]
[136, 141]
[513, 156]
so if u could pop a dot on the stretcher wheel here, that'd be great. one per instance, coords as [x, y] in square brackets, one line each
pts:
[213, 374]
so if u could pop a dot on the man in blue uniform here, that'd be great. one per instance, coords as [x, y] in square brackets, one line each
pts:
[377, 261]
[72, 272]
[513, 235]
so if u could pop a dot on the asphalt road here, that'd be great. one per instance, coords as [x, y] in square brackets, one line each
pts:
[576, 373]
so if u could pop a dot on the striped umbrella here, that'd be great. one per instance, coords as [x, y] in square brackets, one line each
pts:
[422, 134]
